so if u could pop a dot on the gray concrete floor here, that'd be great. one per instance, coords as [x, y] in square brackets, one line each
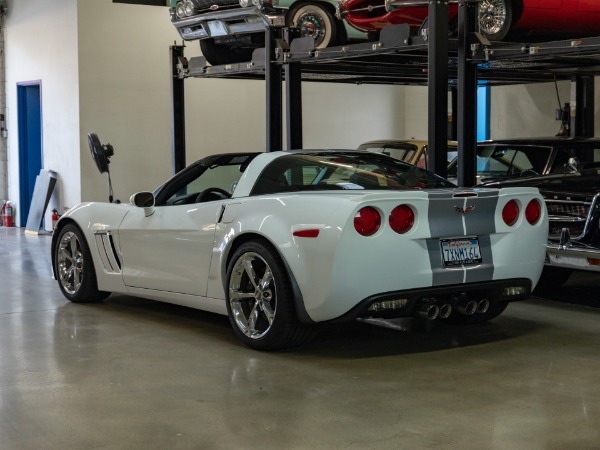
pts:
[132, 373]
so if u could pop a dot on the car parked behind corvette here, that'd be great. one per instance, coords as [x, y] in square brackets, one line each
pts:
[283, 241]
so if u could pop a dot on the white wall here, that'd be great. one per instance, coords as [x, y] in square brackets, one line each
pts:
[41, 44]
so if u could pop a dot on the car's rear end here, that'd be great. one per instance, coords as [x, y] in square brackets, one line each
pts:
[424, 253]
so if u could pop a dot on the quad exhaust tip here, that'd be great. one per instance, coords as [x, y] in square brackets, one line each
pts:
[428, 311]
[483, 305]
[445, 311]
[468, 308]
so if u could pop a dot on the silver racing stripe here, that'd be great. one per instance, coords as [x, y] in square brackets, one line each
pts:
[450, 217]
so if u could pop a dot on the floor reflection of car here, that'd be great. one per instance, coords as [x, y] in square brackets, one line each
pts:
[503, 159]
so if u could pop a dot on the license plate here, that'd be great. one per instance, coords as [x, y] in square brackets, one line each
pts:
[460, 252]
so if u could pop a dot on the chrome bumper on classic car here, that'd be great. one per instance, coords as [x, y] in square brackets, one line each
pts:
[575, 258]
[226, 23]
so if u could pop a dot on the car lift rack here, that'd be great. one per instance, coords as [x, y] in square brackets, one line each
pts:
[429, 58]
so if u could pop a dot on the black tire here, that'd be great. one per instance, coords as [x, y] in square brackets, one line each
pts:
[258, 286]
[218, 54]
[493, 311]
[314, 19]
[495, 18]
[552, 279]
[75, 271]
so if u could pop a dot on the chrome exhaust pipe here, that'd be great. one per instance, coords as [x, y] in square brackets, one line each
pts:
[483, 305]
[428, 311]
[468, 308]
[445, 311]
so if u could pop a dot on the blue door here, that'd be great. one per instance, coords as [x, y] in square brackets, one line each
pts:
[29, 106]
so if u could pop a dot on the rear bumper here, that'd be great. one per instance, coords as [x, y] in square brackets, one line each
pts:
[455, 295]
[227, 23]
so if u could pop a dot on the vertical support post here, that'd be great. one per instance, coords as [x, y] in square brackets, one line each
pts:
[177, 111]
[293, 96]
[273, 73]
[582, 106]
[467, 96]
[438, 87]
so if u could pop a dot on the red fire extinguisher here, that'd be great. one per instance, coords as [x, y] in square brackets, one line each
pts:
[55, 217]
[7, 214]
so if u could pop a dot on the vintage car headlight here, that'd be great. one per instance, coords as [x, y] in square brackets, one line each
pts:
[189, 8]
[180, 10]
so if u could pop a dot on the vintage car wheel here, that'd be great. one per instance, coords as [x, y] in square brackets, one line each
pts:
[259, 299]
[314, 20]
[552, 278]
[495, 18]
[75, 267]
[218, 54]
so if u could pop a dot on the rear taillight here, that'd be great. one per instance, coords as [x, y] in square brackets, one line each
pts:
[367, 221]
[402, 219]
[533, 212]
[510, 213]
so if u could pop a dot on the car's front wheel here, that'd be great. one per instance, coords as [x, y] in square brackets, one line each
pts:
[495, 18]
[260, 302]
[75, 267]
[314, 20]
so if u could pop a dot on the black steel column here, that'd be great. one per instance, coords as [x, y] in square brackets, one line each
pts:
[273, 73]
[467, 97]
[582, 106]
[293, 97]
[177, 111]
[438, 87]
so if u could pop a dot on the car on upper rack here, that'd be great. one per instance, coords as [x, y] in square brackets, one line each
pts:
[503, 158]
[497, 19]
[283, 241]
[230, 30]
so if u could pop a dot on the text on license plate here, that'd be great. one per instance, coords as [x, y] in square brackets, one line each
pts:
[460, 252]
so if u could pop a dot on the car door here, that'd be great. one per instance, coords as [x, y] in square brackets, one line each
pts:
[171, 249]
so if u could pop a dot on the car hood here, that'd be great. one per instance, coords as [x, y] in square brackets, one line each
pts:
[575, 184]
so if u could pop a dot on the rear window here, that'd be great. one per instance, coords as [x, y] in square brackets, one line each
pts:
[343, 171]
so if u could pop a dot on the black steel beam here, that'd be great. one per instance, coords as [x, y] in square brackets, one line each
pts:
[293, 96]
[582, 106]
[438, 88]
[177, 111]
[467, 97]
[273, 75]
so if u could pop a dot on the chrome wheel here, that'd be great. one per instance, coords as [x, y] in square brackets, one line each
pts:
[493, 16]
[252, 295]
[314, 21]
[70, 263]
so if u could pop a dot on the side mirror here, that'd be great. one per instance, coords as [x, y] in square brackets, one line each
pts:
[143, 200]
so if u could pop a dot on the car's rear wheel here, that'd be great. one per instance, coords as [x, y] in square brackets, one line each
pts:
[218, 54]
[495, 18]
[260, 302]
[75, 267]
[316, 21]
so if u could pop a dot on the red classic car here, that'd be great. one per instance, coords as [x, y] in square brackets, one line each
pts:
[497, 18]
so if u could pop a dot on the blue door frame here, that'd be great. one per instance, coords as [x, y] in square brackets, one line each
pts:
[29, 107]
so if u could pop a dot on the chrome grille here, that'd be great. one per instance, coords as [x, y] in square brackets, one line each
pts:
[567, 214]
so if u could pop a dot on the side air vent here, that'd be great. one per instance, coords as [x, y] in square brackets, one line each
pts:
[107, 251]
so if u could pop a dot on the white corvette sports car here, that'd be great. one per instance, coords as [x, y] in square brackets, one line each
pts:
[282, 241]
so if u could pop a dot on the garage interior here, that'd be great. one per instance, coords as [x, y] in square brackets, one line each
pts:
[134, 373]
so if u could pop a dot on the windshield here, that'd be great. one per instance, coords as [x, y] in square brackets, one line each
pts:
[341, 170]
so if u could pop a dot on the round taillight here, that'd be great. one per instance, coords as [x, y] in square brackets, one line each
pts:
[402, 219]
[367, 221]
[533, 212]
[510, 213]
